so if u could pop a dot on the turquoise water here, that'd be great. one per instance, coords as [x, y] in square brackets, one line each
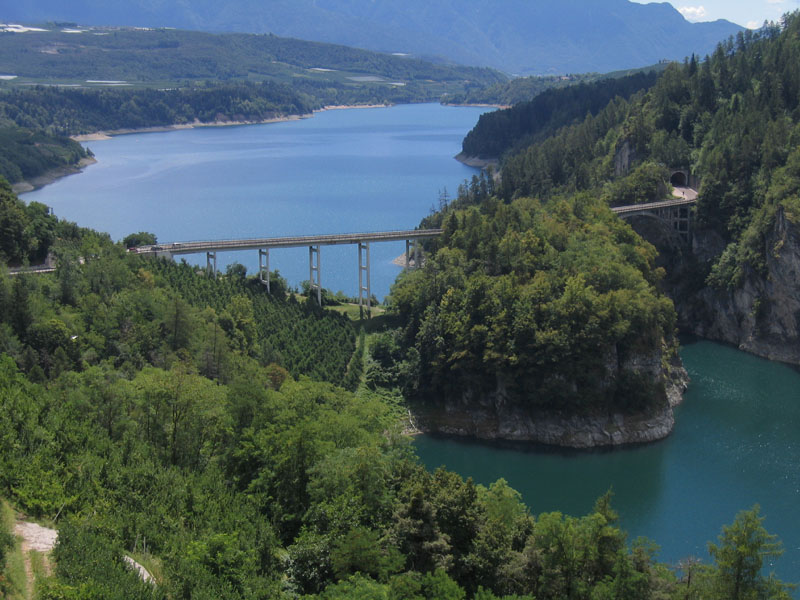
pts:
[341, 171]
[736, 443]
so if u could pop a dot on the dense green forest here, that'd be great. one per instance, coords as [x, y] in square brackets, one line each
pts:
[26, 153]
[732, 118]
[70, 112]
[137, 312]
[527, 122]
[514, 91]
[152, 411]
[523, 89]
[535, 299]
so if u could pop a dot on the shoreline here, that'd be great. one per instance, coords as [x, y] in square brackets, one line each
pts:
[29, 185]
[49, 177]
[477, 163]
[478, 105]
[108, 134]
[348, 106]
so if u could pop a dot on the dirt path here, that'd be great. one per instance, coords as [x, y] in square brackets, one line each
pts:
[42, 539]
[38, 539]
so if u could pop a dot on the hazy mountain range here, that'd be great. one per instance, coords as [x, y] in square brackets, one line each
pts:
[516, 36]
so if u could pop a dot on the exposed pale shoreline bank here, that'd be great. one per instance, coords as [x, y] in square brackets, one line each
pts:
[105, 135]
[50, 176]
[479, 105]
[475, 162]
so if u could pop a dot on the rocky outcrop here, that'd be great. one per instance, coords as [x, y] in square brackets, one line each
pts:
[762, 315]
[623, 158]
[496, 416]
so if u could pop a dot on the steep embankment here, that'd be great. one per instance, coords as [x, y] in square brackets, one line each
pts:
[762, 313]
[495, 415]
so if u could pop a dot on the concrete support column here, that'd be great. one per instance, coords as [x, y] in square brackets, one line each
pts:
[408, 255]
[315, 271]
[363, 277]
[263, 267]
[211, 264]
[416, 254]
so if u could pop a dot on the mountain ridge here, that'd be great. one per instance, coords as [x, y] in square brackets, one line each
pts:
[523, 38]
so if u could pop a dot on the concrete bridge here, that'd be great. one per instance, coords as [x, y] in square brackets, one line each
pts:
[675, 213]
[314, 244]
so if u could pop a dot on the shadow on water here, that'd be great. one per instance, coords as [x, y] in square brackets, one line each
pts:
[736, 443]
[552, 478]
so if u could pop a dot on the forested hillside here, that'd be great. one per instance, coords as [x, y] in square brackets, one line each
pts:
[146, 410]
[72, 112]
[28, 152]
[168, 55]
[524, 89]
[552, 304]
[527, 122]
[733, 120]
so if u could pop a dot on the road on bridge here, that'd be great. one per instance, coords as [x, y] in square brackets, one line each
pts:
[684, 192]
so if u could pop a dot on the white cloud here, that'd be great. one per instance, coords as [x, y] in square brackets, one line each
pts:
[753, 24]
[775, 1]
[693, 13]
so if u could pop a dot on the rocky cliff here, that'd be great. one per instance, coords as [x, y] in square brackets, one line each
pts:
[496, 416]
[762, 314]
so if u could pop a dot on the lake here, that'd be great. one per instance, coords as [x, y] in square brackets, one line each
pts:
[737, 437]
[736, 443]
[342, 171]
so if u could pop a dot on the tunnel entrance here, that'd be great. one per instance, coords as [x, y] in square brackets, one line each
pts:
[678, 179]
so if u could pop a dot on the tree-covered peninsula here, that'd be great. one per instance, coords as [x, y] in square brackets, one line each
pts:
[541, 321]
[199, 426]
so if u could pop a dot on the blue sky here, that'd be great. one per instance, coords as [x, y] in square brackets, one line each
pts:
[749, 13]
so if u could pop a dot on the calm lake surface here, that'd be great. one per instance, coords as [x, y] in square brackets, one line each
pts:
[342, 171]
[736, 443]
[737, 438]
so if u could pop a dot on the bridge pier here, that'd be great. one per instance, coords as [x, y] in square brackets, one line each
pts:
[211, 264]
[680, 219]
[412, 246]
[315, 271]
[263, 267]
[363, 272]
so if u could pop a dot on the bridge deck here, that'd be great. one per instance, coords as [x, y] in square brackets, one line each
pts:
[648, 206]
[287, 242]
[197, 247]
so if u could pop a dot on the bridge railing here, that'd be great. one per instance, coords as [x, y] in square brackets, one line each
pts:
[313, 242]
